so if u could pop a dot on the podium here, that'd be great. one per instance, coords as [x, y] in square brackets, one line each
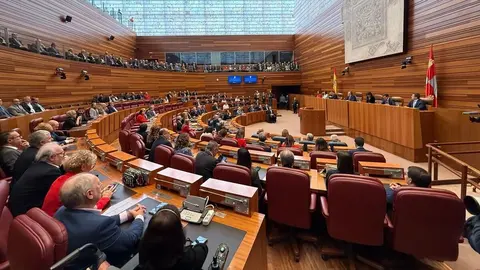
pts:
[312, 121]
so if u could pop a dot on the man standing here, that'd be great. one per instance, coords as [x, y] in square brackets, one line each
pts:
[10, 144]
[85, 223]
[16, 109]
[30, 190]
[295, 105]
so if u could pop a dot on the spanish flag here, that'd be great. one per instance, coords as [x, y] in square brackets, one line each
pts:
[335, 80]
[431, 89]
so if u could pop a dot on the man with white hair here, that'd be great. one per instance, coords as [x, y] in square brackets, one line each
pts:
[37, 139]
[85, 224]
[29, 191]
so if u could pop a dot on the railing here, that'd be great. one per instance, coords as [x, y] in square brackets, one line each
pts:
[436, 155]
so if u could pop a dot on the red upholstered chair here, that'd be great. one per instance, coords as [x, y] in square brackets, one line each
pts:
[320, 154]
[138, 149]
[133, 138]
[295, 212]
[255, 147]
[163, 155]
[434, 218]
[124, 141]
[295, 151]
[233, 173]
[229, 142]
[5, 221]
[206, 138]
[36, 241]
[367, 156]
[183, 162]
[34, 123]
[366, 207]
[3, 176]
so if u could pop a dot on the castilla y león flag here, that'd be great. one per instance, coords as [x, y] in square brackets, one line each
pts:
[431, 88]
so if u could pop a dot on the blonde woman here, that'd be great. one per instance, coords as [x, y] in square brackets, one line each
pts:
[72, 120]
[80, 161]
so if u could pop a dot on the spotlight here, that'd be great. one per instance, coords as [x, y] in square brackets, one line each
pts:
[60, 73]
[110, 38]
[67, 19]
[84, 74]
[346, 70]
[407, 61]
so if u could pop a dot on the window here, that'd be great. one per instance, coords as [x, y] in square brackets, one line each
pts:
[172, 57]
[227, 58]
[271, 57]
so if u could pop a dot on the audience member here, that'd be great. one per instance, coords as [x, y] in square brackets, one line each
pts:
[261, 141]
[93, 111]
[471, 229]
[332, 95]
[142, 130]
[72, 120]
[182, 145]
[244, 159]
[351, 97]
[36, 140]
[387, 100]
[179, 123]
[36, 105]
[151, 112]
[53, 50]
[344, 166]
[285, 133]
[16, 43]
[152, 136]
[164, 245]
[240, 138]
[359, 142]
[4, 112]
[55, 137]
[16, 109]
[141, 118]
[416, 177]
[417, 103]
[321, 145]
[334, 138]
[220, 135]
[287, 158]
[10, 144]
[187, 129]
[282, 102]
[80, 161]
[289, 142]
[27, 105]
[163, 139]
[209, 131]
[30, 190]
[295, 105]
[215, 107]
[111, 108]
[271, 117]
[205, 161]
[370, 98]
[85, 224]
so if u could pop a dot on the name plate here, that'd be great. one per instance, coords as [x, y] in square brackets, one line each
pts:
[184, 182]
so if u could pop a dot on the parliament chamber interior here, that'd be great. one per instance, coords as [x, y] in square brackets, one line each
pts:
[239, 134]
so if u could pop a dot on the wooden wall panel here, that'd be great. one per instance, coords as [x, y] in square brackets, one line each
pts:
[24, 73]
[88, 30]
[156, 47]
[452, 27]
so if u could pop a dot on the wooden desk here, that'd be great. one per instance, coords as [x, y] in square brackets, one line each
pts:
[230, 151]
[145, 166]
[91, 136]
[184, 182]
[119, 158]
[271, 143]
[91, 131]
[300, 162]
[243, 199]
[343, 148]
[95, 142]
[312, 121]
[322, 162]
[391, 170]
[102, 150]
[317, 182]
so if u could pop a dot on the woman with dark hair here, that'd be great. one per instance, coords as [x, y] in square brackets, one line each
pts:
[220, 135]
[344, 166]
[141, 117]
[164, 244]
[240, 138]
[153, 136]
[182, 145]
[289, 142]
[142, 130]
[370, 98]
[321, 145]
[244, 159]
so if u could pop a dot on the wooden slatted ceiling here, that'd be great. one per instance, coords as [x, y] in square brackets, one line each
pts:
[24, 73]
[453, 27]
[88, 30]
[156, 47]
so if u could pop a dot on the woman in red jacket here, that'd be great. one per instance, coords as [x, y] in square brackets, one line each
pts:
[141, 117]
[81, 161]
[240, 138]
[186, 129]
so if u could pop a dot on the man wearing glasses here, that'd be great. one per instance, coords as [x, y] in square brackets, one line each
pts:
[30, 190]
[11, 145]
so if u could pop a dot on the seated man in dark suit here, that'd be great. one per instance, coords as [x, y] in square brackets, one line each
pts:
[359, 142]
[16, 43]
[3, 42]
[351, 97]
[82, 56]
[261, 141]
[85, 224]
[52, 50]
[163, 139]
[4, 112]
[271, 117]
[36, 105]
[11, 145]
[387, 100]
[30, 190]
[416, 177]
[417, 103]
[37, 139]
[205, 161]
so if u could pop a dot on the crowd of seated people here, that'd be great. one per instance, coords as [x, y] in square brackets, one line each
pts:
[27, 106]
[117, 61]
